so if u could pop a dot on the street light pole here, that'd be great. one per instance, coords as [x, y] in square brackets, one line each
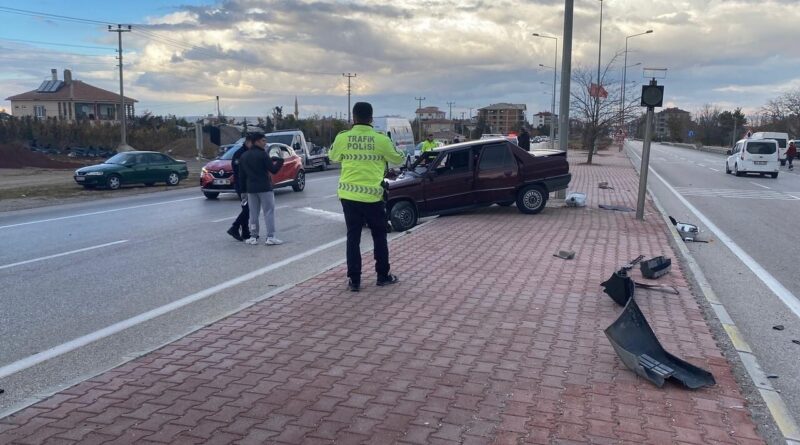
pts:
[553, 105]
[597, 91]
[624, 78]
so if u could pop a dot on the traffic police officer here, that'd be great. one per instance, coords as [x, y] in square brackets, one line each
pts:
[428, 144]
[363, 153]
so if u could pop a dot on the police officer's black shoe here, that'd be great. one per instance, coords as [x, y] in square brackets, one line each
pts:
[353, 286]
[234, 232]
[387, 280]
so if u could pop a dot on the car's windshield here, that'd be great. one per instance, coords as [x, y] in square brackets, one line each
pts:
[280, 138]
[120, 159]
[228, 155]
[761, 148]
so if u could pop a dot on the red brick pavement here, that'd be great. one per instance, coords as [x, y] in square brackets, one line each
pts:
[487, 339]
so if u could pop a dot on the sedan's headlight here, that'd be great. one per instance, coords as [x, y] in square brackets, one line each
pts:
[94, 174]
[203, 170]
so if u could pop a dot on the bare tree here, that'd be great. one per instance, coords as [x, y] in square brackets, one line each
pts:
[598, 115]
[707, 118]
[783, 113]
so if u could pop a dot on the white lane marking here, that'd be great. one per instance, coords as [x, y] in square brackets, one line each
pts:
[234, 217]
[784, 294]
[6, 266]
[71, 345]
[100, 212]
[335, 195]
[323, 213]
[755, 183]
[702, 165]
[713, 169]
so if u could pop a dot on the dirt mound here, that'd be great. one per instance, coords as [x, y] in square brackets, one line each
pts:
[17, 156]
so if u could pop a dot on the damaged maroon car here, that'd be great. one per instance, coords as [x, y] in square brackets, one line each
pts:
[475, 174]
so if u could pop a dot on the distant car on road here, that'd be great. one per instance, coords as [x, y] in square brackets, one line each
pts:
[780, 138]
[217, 176]
[753, 156]
[475, 174]
[133, 167]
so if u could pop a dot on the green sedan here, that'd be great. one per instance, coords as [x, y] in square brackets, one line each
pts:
[133, 167]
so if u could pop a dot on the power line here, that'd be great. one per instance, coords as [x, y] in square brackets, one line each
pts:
[56, 44]
[50, 16]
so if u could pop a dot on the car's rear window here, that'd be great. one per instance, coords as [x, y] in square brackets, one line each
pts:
[781, 142]
[761, 148]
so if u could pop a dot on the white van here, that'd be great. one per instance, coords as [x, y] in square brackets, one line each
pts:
[398, 130]
[753, 156]
[781, 138]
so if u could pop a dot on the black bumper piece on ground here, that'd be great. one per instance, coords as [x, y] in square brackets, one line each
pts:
[637, 346]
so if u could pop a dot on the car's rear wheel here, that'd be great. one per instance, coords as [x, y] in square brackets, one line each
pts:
[173, 179]
[299, 181]
[531, 199]
[403, 216]
[736, 171]
[114, 182]
[783, 161]
[211, 195]
[774, 175]
[323, 166]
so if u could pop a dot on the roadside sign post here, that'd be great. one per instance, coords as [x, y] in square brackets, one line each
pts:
[652, 96]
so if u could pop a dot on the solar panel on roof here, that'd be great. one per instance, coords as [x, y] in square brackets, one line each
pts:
[49, 86]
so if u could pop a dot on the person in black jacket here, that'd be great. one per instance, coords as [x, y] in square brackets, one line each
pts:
[524, 140]
[242, 221]
[255, 167]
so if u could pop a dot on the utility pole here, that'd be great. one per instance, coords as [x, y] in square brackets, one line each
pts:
[451, 109]
[566, 75]
[218, 114]
[348, 76]
[120, 29]
[419, 116]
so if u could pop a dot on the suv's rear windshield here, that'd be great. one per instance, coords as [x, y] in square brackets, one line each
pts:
[760, 148]
[781, 142]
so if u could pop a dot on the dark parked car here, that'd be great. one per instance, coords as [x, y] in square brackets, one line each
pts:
[133, 167]
[475, 174]
[217, 176]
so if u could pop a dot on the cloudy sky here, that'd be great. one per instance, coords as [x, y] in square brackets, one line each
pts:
[256, 54]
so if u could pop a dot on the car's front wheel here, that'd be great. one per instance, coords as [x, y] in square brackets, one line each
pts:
[531, 199]
[173, 179]
[299, 181]
[114, 182]
[403, 216]
[727, 169]
[211, 195]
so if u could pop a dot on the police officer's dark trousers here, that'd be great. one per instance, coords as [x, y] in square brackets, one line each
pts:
[355, 215]
[242, 221]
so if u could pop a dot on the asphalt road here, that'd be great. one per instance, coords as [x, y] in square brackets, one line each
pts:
[86, 286]
[759, 216]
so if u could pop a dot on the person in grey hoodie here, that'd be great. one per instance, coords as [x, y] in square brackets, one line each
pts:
[255, 167]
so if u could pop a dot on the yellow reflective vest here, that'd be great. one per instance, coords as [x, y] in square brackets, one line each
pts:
[427, 146]
[363, 153]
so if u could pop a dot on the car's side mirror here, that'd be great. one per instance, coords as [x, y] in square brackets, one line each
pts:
[729, 152]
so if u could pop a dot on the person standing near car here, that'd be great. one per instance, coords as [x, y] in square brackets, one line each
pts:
[524, 140]
[255, 167]
[428, 144]
[791, 153]
[364, 153]
[240, 229]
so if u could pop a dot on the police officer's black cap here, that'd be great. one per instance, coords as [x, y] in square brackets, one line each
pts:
[362, 111]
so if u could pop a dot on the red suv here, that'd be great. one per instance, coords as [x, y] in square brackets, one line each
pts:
[217, 176]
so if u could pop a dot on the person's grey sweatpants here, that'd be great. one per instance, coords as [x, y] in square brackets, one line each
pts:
[259, 202]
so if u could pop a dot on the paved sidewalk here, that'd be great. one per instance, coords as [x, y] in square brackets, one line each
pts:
[487, 339]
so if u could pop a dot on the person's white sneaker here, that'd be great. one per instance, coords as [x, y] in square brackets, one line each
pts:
[272, 241]
[251, 241]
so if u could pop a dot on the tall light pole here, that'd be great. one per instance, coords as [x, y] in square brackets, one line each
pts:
[625, 75]
[124, 113]
[348, 76]
[451, 109]
[597, 91]
[553, 106]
